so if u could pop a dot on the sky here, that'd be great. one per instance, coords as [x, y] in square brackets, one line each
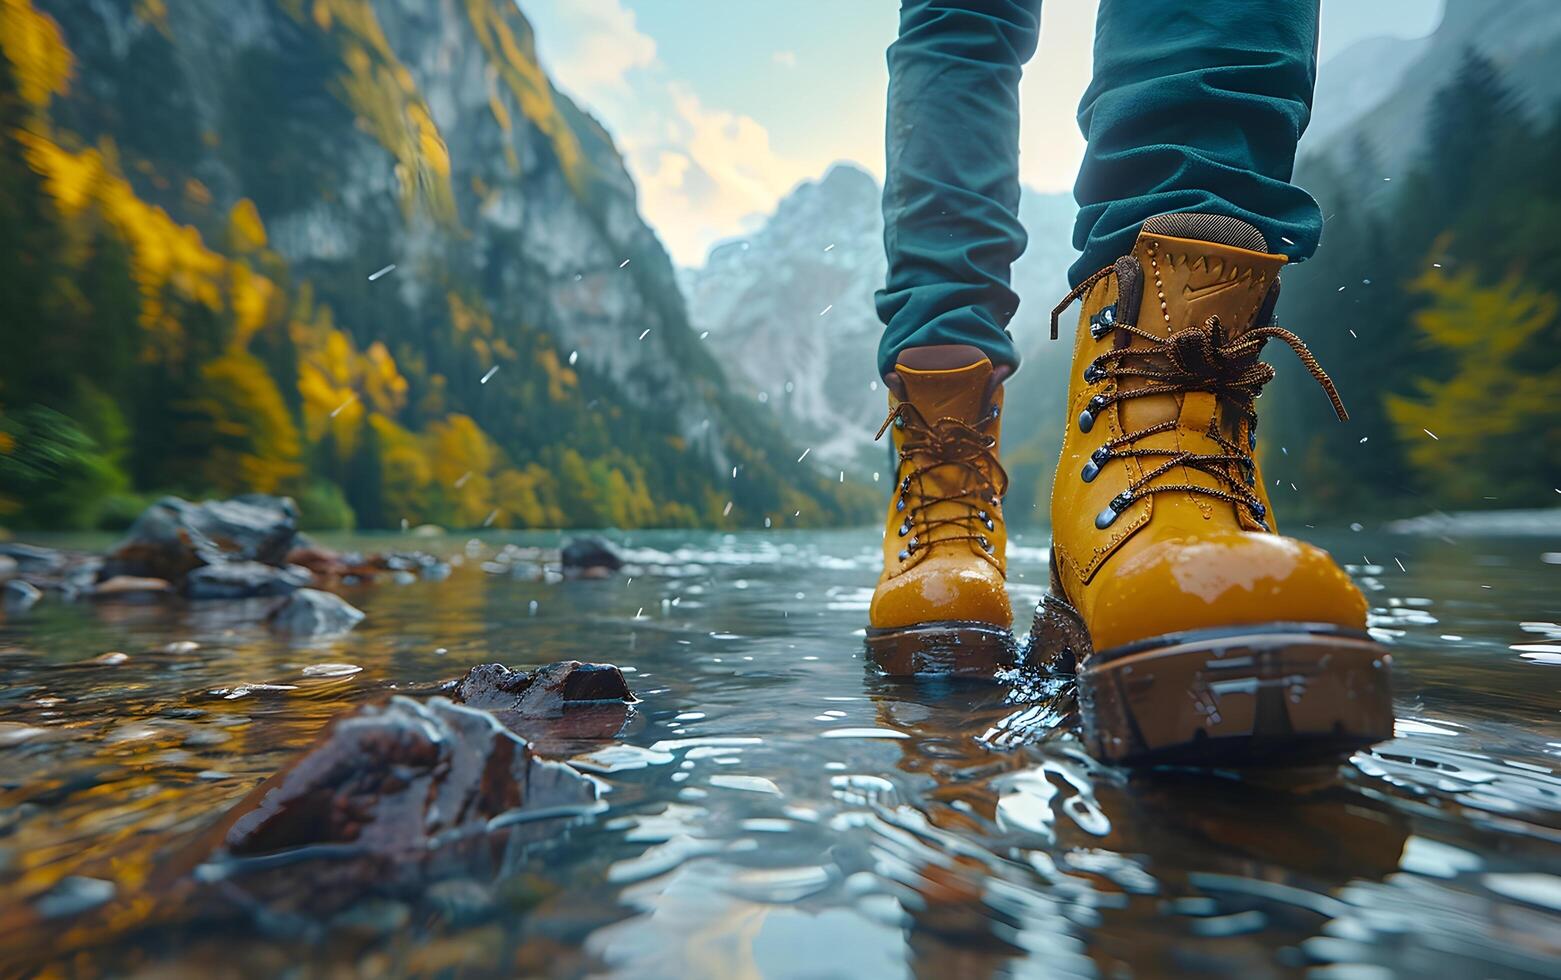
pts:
[721, 107]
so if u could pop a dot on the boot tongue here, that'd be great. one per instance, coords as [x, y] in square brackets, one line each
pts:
[1195, 266]
[947, 382]
[1201, 265]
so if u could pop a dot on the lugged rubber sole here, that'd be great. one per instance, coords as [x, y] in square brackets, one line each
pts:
[1273, 693]
[942, 649]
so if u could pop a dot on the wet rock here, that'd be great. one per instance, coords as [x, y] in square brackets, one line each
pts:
[17, 596]
[374, 916]
[112, 658]
[568, 700]
[174, 537]
[242, 579]
[310, 612]
[31, 560]
[132, 588]
[395, 796]
[7, 568]
[589, 557]
[323, 562]
[461, 902]
[73, 896]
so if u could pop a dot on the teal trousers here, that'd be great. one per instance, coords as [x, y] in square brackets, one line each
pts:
[1195, 105]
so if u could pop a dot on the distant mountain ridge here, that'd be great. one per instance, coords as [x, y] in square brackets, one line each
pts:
[790, 307]
[1377, 92]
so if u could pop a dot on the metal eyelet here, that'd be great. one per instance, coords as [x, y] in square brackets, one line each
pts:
[1119, 503]
[1093, 372]
[899, 421]
[905, 529]
[1252, 436]
[997, 410]
[1091, 412]
[985, 543]
[1258, 511]
[911, 545]
[899, 504]
[905, 485]
[1103, 322]
[905, 556]
[987, 521]
[1097, 460]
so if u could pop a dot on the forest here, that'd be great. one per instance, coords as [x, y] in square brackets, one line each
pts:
[1433, 303]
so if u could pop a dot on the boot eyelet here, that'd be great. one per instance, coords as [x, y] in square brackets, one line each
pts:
[1093, 372]
[899, 504]
[987, 545]
[911, 545]
[905, 485]
[987, 520]
[996, 411]
[1103, 322]
[905, 529]
[899, 421]
[1097, 459]
[1252, 436]
[905, 555]
[1091, 412]
[1119, 503]
[1259, 513]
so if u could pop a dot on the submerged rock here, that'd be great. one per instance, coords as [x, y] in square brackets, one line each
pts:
[563, 701]
[17, 596]
[241, 579]
[27, 559]
[174, 537]
[310, 612]
[131, 588]
[73, 896]
[389, 798]
[589, 557]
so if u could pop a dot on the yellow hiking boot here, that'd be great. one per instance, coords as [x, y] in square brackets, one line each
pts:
[941, 606]
[1197, 633]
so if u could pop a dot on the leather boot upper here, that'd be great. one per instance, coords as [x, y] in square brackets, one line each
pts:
[944, 545]
[1160, 518]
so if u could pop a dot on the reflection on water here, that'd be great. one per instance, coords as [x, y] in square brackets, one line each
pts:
[777, 809]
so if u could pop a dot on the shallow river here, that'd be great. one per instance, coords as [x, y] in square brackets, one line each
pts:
[784, 812]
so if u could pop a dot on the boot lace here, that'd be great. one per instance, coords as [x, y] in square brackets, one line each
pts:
[1198, 360]
[946, 443]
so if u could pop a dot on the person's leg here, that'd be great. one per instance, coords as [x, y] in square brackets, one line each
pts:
[951, 193]
[1196, 107]
[1197, 633]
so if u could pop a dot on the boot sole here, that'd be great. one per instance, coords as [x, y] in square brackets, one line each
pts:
[1273, 693]
[942, 649]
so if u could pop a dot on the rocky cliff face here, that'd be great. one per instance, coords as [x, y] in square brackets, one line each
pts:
[528, 296]
[790, 309]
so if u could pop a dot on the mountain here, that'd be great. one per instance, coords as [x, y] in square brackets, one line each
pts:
[1377, 94]
[789, 310]
[358, 250]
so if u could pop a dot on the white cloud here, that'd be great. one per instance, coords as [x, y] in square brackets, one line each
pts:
[710, 177]
[704, 172]
[594, 45]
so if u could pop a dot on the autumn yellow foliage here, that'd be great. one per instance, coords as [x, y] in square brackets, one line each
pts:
[1491, 419]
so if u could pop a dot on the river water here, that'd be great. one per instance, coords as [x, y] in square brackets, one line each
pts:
[781, 811]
